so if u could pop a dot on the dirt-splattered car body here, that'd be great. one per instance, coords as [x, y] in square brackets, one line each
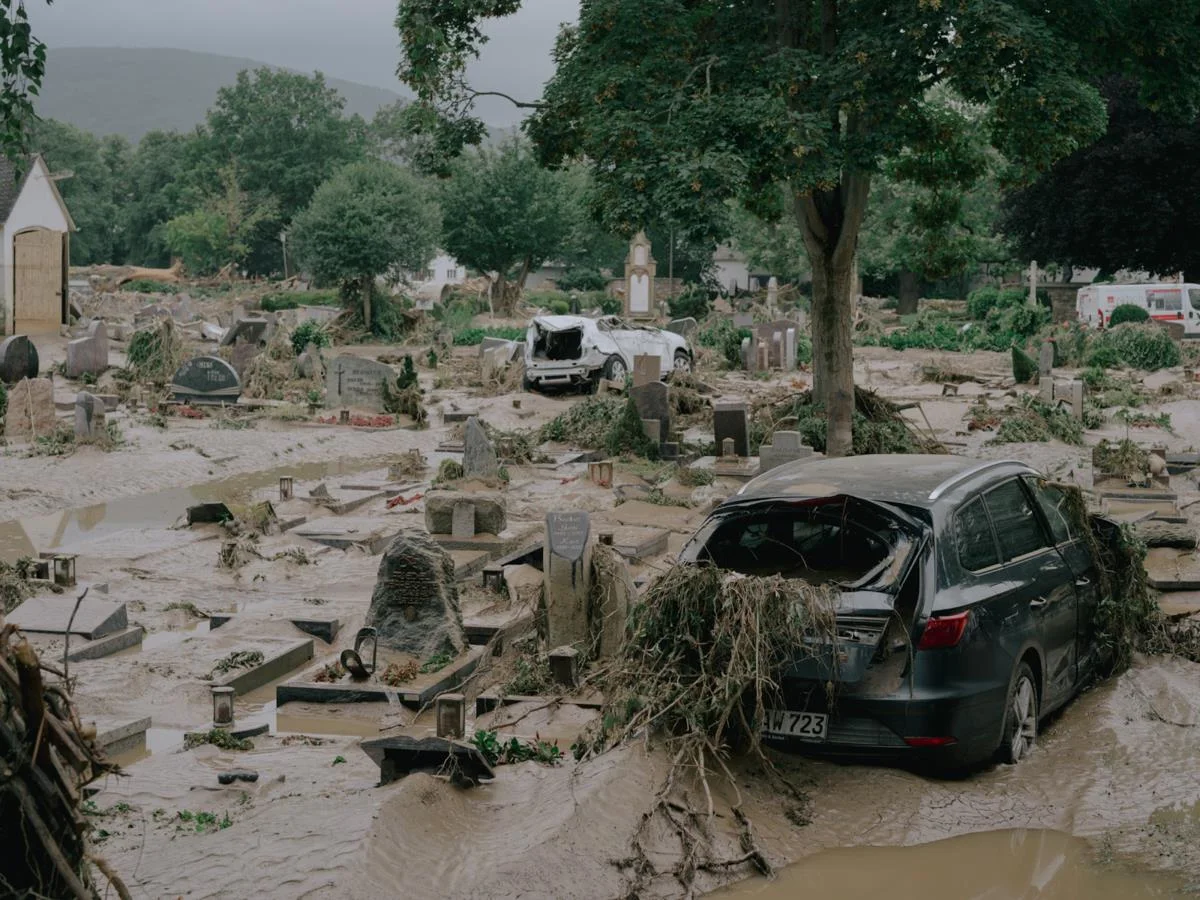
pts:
[561, 351]
[967, 602]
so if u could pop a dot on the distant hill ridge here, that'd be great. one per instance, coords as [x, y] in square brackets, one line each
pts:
[130, 91]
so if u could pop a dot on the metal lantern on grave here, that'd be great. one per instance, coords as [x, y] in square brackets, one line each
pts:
[639, 279]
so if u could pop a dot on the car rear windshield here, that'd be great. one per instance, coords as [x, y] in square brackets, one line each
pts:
[558, 345]
[831, 540]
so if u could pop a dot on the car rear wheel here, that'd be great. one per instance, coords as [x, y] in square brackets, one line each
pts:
[682, 362]
[1020, 717]
[615, 369]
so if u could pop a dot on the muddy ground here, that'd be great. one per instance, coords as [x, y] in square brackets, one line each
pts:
[1116, 768]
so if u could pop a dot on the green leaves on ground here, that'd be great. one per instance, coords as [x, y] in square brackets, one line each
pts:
[499, 753]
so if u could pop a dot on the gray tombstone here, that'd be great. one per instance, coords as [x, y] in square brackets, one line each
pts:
[30, 409]
[206, 379]
[479, 456]
[354, 381]
[747, 355]
[242, 356]
[731, 419]
[789, 350]
[415, 602]
[785, 447]
[89, 417]
[743, 320]
[762, 362]
[462, 521]
[18, 359]
[652, 428]
[653, 401]
[490, 513]
[1046, 359]
[567, 566]
[772, 292]
[646, 369]
[1046, 388]
[683, 327]
[246, 331]
[309, 363]
[88, 355]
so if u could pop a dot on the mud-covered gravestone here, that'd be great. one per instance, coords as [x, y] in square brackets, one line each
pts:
[415, 603]
[479, 456]
[567, 565]
[88, 355]
[18, 359]
[31, 411]
[206, 379]
[89, 417]
[353, 381]
[731, 419]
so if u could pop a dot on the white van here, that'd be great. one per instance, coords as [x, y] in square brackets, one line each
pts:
[1165, 303]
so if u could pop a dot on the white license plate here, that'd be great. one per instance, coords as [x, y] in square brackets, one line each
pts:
[803, 725]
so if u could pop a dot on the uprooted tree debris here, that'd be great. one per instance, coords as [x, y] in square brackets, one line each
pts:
[46, 757]
[697, 671]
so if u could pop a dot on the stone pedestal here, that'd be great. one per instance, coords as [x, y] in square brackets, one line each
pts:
[785, 447]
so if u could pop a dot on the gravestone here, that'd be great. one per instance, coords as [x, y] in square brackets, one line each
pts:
[52, 615]
[88, 355]
[463, 520]
[743, 320]
[493, 362]
[652, 428]
[772, 292]
[490, 516]
[89, 417]
[682, 327]
[567, 565]
[246, 331]
[479, 456]
[789, 350]
[18, 359]
[615, 594]
[762, 361]
[639, 278]
[309, 363]
[646, 369]
[748, 357]
[206, 379]
[1046, 359]
[731, 419]
[242, 356]
[353, 381]
[653, 401]
[415, 602]
[785, 447]
[30, 409]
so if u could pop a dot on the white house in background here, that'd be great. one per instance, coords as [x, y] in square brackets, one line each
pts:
[35, 229]
[732, 271]
[442, 269]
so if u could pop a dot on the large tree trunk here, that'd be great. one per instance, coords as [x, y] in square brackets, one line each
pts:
[500, 296]
[366, 304]
[526, 268]
[910, 292]
[830, 222]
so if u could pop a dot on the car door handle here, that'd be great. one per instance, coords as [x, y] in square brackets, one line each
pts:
[1038, 603]
[1082, 582]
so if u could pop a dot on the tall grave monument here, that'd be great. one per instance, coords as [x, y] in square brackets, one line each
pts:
[639, 279]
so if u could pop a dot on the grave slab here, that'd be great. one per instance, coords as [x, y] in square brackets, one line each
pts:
[273, 667]
[109, 644]
[517, 534]
[344, 533]
[414, 695]
[468, 563]
[400, 755]
[51, 615]
[117, 737]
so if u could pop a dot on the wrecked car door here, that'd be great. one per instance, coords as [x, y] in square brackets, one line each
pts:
[633, 341]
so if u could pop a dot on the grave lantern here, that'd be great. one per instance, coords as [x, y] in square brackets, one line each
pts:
[64, 570]
[285, 487]
[222, 700]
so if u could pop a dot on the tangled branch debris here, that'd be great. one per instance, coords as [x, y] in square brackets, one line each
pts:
[698, 670]
[879, 425]
[155, 354]
[46, 757]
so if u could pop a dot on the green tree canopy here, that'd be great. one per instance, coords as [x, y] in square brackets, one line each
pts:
[94, 186]
[1126, 202]
[286, 134]
[367, 220]
[22, 66]
[159, 188]
[221, 231]
[682, 106]
[502, 210]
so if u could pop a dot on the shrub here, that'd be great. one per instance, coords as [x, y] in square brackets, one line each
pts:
[1147, 347]
[309, 333]
[560, 307]
[146, 286]
[295, 299]
[693, 301]
[1021, 321]
[1127, 312]
[583, 280]
[627, 435]
[987, 298]
[721, 334]
[456, 312]
[551, 300]
[610, 305]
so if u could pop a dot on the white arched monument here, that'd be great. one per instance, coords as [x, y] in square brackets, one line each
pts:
[639, 279]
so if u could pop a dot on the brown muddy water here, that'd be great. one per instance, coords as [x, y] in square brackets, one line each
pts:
[991, 865]
[26, 537]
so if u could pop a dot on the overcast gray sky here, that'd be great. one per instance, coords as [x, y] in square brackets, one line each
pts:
[351, 39]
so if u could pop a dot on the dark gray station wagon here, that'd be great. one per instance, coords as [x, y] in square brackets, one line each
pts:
[967, 602]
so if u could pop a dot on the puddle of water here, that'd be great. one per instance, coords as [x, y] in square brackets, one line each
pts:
[160, 509]
[994, 865]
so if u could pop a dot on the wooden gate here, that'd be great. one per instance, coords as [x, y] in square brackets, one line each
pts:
[38, 281]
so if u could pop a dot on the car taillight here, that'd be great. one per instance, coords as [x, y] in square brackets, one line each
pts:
[930, 741]
[943, 631]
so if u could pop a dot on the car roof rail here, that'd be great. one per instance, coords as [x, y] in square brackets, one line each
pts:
[967, 474]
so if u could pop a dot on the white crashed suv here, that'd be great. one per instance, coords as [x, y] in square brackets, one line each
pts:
[562, 351]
